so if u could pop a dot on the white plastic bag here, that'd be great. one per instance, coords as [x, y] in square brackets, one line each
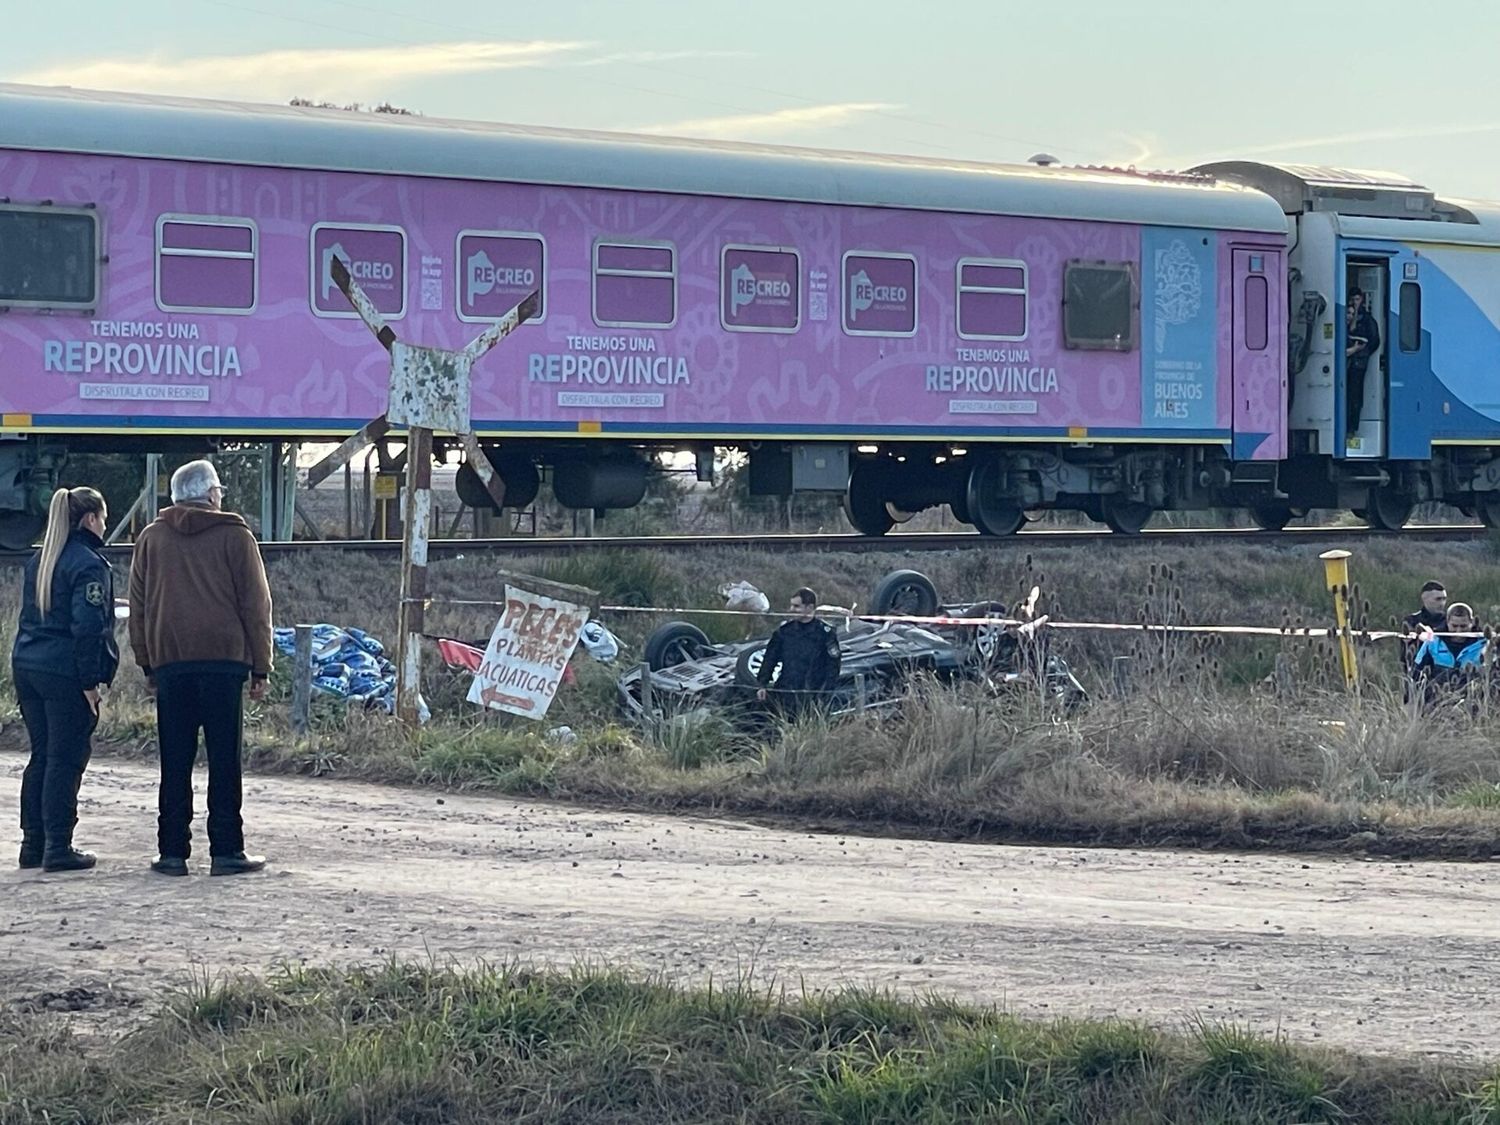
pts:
[744, 597]
[599, 642]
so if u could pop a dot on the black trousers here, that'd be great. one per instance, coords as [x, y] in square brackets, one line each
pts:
[187, 702]
[1354, 398]
[59, 723]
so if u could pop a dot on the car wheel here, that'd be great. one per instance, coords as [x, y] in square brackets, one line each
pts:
[675, 643]
[747, 667]
[909, 593]
[986, 641]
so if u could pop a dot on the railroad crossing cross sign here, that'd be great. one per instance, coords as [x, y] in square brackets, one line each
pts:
[429, 387]
[429, 391]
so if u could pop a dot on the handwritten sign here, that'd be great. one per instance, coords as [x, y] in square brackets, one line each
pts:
[526, 656]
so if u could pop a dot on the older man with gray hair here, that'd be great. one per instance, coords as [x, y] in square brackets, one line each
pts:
[200, 625]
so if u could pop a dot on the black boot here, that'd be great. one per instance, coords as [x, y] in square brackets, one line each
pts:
[67, 858]
[33, 844]
[237, 864]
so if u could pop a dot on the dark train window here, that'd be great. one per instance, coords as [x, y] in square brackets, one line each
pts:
[1099, 306]
[635, 284]
[206, 264]
[1257, 323]
[49, 258]
[1411, 316]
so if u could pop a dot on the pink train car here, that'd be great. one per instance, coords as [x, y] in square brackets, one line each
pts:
[907, 332]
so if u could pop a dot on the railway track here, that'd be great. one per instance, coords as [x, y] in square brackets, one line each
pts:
[895, 543]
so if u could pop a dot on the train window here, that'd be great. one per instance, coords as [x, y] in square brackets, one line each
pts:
[1256, 306]
[1411, 316]
[49, 257]
[497, 271]
[880, 294]
[635, 284]
[1099, 305]
[759, 289]
[206, 264]
[991, 299]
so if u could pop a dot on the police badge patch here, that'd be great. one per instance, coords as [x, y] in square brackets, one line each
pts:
[93, 593]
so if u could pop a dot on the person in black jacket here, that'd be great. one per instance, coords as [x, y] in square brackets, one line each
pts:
[1362, 343]
[63, 656]
[1433, 615]
[807, 651]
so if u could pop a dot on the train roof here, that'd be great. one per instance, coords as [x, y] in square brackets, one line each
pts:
[1481, 228]
[1366, 204]
[62, 119]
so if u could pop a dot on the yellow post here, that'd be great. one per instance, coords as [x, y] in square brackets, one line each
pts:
[1336, 571]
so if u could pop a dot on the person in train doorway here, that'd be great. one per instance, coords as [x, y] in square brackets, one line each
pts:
[63, 658]
[1362, 341]
[807, 650]
[200, 625]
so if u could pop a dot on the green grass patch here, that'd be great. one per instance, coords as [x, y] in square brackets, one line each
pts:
[422, 1043]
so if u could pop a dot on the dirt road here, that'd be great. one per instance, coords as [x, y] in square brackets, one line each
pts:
[1380, 956]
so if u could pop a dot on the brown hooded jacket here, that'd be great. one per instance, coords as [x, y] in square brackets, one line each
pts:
[198, 592]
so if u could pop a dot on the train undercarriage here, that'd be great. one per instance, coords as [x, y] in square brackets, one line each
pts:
[996, 488]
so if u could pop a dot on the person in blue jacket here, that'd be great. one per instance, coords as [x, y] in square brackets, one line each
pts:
[1446, 657]
[64, 655]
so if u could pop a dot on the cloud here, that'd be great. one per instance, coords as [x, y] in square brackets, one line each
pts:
[345, 74]
[642, 58]
[774, 124]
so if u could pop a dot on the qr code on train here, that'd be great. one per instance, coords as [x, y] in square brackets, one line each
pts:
[432, 294]
[817, 306]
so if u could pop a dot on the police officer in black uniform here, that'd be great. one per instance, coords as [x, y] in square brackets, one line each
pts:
[1433, 615]
[64, 654]
[808, 651]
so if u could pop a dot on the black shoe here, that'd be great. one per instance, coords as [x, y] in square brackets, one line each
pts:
[169, 865]
[32, 849]
[67, 859]
[237, 864]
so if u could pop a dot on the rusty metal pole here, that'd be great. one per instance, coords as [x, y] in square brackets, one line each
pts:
[411, 616]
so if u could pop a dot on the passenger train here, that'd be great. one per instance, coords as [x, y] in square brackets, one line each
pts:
[905, 332]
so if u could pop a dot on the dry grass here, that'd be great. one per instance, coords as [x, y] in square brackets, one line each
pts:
[1202, 751]
[435, 1045]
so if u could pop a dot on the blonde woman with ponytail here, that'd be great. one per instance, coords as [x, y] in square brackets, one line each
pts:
[64, 655]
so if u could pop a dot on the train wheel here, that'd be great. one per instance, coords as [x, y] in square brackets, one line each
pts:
[1487, 508]
[1388, 509]
[19, 530]
[990, 512]
[865, 503]
[959, 506]
[1271, 517]
[1126, 517]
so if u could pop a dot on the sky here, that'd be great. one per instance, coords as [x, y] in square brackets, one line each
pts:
[1156, 84]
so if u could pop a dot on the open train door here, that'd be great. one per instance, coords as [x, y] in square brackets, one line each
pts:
[1362, 410]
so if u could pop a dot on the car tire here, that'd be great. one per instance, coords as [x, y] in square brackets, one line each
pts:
[906, 592]
[675, 643]
[984, 641]
[747, 667]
